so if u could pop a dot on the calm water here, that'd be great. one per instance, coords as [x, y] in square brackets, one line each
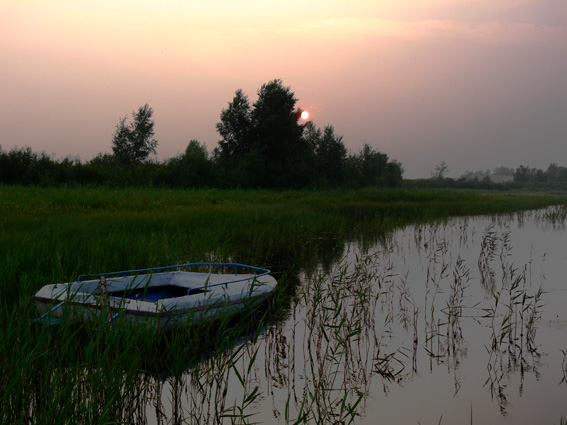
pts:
[441, 322]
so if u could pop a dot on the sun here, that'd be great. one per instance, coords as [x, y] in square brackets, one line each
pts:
[304, 115]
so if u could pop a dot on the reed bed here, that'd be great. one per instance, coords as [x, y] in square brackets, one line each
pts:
[343, 306]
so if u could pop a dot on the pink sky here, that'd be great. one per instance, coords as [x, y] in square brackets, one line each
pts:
[478, 84]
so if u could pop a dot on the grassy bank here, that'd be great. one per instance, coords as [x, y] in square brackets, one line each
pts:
[52, 235]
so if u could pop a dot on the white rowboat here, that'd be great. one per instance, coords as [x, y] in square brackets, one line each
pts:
[165, 298]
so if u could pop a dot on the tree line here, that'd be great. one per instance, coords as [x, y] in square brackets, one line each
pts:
[501, 178]
[262, 145]
[553, 174]
[522, 174]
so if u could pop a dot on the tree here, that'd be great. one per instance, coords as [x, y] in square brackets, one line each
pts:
[134, 142]
[393, 174]
[552, 172]
[197, 169]
[371, 168]
[234, 149]
[523, 174]
[372, 165]
[15, 165]
[440, 171]
[312, 134]
[190, 169]
[234, 127]
[264, 145]
[261, 145]
[330, 155]
[285, 155]
[556, 173]
[503, 171]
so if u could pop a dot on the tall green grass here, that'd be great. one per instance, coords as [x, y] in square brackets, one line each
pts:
[75, 375]
[51, 235]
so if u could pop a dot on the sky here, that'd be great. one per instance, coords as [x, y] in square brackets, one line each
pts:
[478, 84]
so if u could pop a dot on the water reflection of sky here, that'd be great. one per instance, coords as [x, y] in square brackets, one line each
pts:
[529, 389]
[409, 286]
[508, 385]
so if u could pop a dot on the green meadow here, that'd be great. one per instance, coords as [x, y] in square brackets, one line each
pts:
[75, 375]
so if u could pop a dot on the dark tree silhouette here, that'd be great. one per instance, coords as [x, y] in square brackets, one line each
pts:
[371, 168]
[262, 146]
[330, 155]
[286, 156]
[134, 142]
[234, 127]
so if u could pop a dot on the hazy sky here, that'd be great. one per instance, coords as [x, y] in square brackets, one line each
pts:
[478, 84]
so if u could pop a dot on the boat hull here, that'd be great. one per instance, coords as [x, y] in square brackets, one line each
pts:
[163, 301]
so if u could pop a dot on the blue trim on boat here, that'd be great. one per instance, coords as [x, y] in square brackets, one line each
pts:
[168, 268]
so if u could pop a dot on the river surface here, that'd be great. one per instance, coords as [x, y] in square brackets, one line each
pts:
[459, 321]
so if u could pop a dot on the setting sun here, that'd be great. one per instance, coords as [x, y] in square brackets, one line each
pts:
[304, 115]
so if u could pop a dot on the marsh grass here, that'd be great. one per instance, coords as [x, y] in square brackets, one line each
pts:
[109, 374]
[210, 373]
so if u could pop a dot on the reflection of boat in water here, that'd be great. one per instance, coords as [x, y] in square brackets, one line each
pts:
[165, 297]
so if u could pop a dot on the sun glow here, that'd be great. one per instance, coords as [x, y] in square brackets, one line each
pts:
[304, 115]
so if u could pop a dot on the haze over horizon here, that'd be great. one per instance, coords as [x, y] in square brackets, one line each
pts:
[478, 84]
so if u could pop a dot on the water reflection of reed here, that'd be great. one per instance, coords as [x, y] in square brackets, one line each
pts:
[365, 322]
[337, 311]
[355, 320]
[336, 334]
[564, 368]
[369, 322]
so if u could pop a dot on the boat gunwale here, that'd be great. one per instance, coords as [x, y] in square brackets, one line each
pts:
[166, 269]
